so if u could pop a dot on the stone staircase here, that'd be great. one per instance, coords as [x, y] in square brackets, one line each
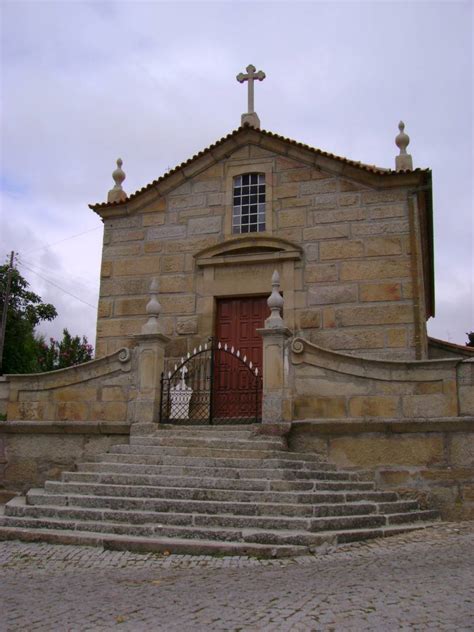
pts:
[209, 490]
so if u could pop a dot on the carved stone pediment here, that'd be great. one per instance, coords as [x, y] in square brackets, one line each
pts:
[249, 249]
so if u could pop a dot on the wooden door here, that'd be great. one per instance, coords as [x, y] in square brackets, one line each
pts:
[235, 390]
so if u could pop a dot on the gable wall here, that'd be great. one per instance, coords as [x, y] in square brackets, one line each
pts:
[353, 289]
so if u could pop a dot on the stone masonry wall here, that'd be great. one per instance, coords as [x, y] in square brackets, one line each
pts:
[100, 390]
[354, 287]
[431, 460]
[332, 385]
[33, 452]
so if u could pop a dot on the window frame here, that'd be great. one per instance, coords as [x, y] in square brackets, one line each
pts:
[249, 215]
[264, 168]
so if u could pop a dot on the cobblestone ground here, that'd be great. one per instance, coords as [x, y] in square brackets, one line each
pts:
[421, 581]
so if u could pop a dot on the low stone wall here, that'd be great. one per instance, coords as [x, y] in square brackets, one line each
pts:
[100, 390]
[331, 385]
[32, 452]
[430, 460]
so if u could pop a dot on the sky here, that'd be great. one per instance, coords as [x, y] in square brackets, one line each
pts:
[83, 83]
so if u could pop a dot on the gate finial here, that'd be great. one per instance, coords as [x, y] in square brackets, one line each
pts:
[275, 303]
[153, 309]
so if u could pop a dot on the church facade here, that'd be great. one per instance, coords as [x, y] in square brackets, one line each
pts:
[352, 244]
[343, 366]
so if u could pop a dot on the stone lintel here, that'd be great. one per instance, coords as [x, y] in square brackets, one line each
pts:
[244, 259]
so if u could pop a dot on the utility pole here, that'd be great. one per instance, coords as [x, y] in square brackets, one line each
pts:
[6, 300]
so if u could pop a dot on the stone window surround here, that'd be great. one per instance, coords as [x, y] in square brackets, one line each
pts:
[262, 166]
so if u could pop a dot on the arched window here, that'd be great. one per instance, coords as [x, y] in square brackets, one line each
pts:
[248, 214]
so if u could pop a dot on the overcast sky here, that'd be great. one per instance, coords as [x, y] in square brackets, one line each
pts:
[83, 83]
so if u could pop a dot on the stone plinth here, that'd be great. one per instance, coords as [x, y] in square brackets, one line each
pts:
[276, 406]
[150, 357]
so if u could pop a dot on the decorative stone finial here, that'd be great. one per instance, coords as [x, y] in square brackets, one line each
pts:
[117, 194]
[153, 309]
[275, 303]
[404, 161]
[251, 116]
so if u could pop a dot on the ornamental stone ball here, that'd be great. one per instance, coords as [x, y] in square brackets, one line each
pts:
[275, 303]
[403, 161]
[117, 194]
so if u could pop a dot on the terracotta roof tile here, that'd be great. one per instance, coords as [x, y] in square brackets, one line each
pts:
[360, 165]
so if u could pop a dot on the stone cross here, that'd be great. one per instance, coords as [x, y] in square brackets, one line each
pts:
[250, 116]
[251, 76]
[183, 372]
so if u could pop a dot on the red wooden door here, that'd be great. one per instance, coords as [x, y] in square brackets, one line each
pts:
[237, 320]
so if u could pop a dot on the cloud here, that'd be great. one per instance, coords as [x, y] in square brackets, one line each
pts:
[86, 82]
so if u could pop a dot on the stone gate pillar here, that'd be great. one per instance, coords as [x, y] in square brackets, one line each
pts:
[277, 401]
[150, 353]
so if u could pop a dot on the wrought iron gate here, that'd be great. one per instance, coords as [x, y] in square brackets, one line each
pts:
[215, 384]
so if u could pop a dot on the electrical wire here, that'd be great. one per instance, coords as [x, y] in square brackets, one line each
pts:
[94, 307]
[43, 270]
[63, 240]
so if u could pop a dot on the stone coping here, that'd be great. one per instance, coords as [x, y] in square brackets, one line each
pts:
[388, 426]
[65, 427]
[306, 352]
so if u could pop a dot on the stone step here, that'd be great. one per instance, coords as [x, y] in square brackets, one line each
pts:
[222, 472]
[154, 459]
[248, 534]
[197, 547]
[402, 518]
[155, 545]
[40, 497]
[211, 482]
[191, 441]
[212, 452]
[205, 451]
[218, 429]
[199, 493]
[289, 531]
[18, 509]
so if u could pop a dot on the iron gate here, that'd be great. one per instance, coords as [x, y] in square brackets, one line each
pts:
[215, 384]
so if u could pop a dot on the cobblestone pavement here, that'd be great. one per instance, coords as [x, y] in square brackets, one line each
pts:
[420, 581]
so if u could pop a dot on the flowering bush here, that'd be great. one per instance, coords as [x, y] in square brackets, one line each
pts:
[59, 354]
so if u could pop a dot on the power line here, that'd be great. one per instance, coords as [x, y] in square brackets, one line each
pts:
[58, 286]
[74, 279]
[63, 240]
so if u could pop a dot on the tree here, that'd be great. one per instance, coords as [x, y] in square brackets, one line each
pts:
[470, 335]
[60, 354]
[25, 310]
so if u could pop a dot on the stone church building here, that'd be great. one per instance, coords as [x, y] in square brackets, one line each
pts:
[352, 244]
[262, 280]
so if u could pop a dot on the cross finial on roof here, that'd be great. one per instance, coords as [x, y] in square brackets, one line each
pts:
[251, 116]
